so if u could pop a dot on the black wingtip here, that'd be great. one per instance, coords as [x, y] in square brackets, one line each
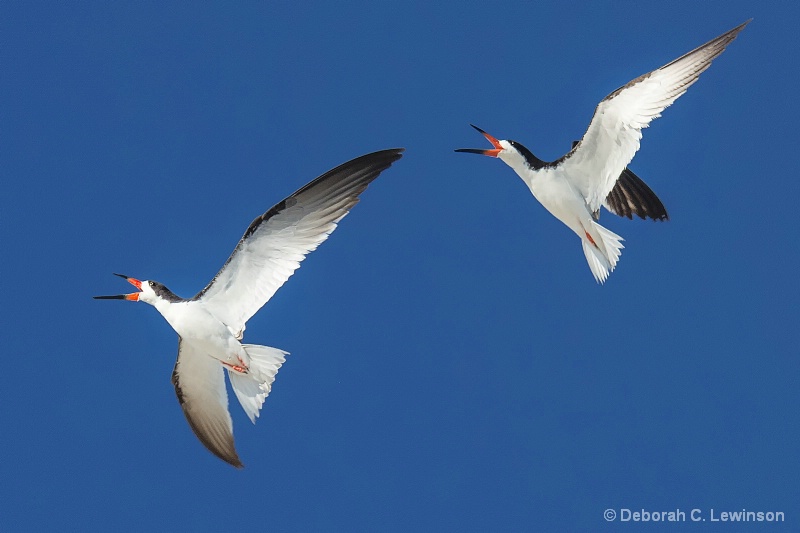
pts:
[383, 158]
[733, 33]
[393, 154]
[232, 460]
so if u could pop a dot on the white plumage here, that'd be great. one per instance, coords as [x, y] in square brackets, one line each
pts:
[594, 173]
[210, 326]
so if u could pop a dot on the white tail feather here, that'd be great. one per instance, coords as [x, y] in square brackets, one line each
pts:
[252, 389]
[602, 259]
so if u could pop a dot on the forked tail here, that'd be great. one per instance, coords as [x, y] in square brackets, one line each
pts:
[602, 256]
[252, 389]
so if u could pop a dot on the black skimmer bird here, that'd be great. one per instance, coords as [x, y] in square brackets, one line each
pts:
[593, 173]
[211, 324]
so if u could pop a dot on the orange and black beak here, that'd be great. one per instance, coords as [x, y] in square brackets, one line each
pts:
[134, 296]
[491, 153]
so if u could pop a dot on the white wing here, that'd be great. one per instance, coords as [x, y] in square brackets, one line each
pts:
[200, 385]
[614, 133]
[277, 241]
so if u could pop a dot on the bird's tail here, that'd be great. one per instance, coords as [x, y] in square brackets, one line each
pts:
[602, 249]
[252, 389]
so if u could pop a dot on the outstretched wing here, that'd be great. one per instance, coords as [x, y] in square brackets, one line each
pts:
[200, 385]
[631, 196]
[277, 241]
[614, 133]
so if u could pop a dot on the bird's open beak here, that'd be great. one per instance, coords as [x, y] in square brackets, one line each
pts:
[491, 153]
[134, 296]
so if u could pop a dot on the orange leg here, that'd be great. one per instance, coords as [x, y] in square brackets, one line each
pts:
[237, 368]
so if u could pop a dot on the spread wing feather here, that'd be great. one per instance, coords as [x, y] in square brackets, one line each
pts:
[200, 385]
[277, 241]
[616, 127]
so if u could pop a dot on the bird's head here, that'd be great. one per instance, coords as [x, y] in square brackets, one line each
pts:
[510, 152]
[507, 151]
[147, 292]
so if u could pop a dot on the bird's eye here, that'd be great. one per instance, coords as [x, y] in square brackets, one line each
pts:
[152, 284]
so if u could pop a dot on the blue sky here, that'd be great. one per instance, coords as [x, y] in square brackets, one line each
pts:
[454, 366]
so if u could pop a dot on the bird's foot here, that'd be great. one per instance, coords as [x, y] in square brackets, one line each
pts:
[240, 368]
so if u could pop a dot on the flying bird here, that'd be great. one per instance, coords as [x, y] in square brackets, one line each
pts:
[210, 325]
[594, 172]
